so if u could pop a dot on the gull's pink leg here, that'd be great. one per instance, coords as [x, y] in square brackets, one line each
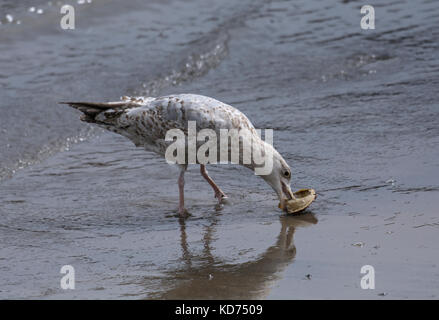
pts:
[181, 209]
[219, 194]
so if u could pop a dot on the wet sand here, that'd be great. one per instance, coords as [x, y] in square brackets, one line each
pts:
[354, 114]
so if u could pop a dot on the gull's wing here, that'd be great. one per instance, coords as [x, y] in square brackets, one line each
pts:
[146, 120]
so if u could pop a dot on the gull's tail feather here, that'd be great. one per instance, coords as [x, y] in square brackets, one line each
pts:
[92, 109]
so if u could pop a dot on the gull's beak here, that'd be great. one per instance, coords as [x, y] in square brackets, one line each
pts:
[287, 194]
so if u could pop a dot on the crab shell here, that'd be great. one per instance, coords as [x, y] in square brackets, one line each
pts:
[303, 198]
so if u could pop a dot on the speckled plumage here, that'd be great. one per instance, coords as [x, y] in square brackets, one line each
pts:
[145, 120]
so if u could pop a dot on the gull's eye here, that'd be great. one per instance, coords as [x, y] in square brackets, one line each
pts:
[286, 174]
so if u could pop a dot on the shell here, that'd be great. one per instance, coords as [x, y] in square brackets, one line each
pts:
[304, 197]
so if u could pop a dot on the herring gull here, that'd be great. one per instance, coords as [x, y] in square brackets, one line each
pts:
[145, 121]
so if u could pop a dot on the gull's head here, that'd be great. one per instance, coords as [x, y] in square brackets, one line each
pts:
[279, 179]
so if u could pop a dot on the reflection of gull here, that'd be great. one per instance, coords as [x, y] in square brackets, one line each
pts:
[145, 121]
[206, 277]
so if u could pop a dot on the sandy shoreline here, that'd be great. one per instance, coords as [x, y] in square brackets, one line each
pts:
[258, 253]
[354, 113]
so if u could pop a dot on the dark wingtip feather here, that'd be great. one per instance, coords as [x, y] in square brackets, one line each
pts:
[97, 105]
[72, 104]
[92, 109]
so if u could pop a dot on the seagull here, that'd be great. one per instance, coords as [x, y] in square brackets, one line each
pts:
[145, 121]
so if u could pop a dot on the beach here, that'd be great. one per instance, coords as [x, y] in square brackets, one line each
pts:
[354, 113]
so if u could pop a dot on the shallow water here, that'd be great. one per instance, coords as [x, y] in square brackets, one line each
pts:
[354, 113]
